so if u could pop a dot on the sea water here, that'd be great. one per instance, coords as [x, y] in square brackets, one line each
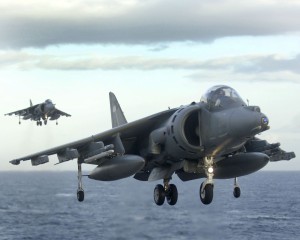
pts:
[43, 205]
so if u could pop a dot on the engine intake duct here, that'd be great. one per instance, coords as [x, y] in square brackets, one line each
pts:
[191, 128]
[183, 138]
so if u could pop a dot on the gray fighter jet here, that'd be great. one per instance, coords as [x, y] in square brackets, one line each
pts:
[44, 111]
[212, 139]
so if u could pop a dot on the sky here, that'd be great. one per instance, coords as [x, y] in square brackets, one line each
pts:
[152, 55]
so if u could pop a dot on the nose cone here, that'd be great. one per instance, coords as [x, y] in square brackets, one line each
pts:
[264, 122]
[49, 107]
[246, 122]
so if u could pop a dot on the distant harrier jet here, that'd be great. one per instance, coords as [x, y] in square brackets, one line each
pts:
[44, 111]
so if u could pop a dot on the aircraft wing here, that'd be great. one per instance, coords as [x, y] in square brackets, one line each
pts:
[61, 113]
[272, 150]
[121, 139]
[23, 112]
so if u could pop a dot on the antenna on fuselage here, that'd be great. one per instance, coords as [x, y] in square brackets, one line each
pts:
[248, 102]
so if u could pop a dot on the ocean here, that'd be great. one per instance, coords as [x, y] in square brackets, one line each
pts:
[43, 205]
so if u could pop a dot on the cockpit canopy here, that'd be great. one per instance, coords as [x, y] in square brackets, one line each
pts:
[221, 96]
[48, 101]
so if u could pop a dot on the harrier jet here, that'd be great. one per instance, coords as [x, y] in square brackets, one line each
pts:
[211, 139]
[44, 111]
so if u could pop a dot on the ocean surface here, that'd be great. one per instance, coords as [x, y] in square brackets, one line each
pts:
[43, 205]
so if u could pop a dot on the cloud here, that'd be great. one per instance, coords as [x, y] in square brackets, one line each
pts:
[36, 23]
[238, 64]
[271, 63]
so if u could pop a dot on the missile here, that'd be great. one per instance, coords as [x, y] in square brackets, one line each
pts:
[96, 157]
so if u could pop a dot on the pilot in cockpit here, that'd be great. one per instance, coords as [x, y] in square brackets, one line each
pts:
[222, 96]
[218, 96]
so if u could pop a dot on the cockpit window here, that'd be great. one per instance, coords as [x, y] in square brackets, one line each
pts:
[222, 96]
[48, 101]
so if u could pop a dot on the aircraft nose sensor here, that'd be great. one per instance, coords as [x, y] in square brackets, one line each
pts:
[265, 121]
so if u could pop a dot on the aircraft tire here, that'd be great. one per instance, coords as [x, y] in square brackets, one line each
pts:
[159, 195]
[172, 195]
[207, 195]
[80, 195]
[236, 192]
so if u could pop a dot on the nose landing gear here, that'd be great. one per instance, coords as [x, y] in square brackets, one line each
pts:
[206, 189]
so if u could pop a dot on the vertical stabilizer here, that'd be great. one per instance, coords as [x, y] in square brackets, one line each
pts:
[30, 103]
[117, 115]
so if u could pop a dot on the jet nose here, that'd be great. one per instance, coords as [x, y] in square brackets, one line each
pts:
[264, 122]
[49, 107]
[247, 122]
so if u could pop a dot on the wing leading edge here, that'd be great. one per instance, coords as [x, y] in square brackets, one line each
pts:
[22, 112]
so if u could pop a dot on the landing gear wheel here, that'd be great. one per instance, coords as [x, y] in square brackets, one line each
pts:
[80, 195]
[237, 192]
[159, 195]
[206, 195]
[172, 194]
[80, 192]
[45, 122]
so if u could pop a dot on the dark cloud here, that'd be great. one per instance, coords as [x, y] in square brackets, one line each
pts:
[143, 22]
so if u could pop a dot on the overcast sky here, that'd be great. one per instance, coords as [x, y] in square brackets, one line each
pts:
[153, 55]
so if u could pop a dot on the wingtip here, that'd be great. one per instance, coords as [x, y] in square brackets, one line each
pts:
[15, 162]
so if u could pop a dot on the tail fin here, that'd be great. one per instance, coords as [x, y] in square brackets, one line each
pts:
[30, 103]
[117, 115]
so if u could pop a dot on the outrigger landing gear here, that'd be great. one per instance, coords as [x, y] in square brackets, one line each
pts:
[236, 189]
[80, 192]
[207, 187]
[168, 191]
